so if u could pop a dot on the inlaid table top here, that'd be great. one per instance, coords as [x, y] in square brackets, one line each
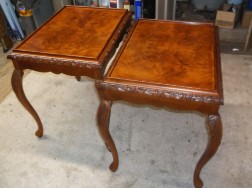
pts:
[171, 64]
[78, 36]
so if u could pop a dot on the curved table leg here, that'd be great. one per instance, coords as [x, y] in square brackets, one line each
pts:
[103, 116]
[214, 127]
[17, 86]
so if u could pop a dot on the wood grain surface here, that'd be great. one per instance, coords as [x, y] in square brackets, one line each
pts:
[167, 53]
[75, 31]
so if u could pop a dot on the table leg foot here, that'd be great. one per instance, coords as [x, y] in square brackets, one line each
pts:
[17, 86]
[103, 116]
[39, 133]
[214, 128]
[78, 78]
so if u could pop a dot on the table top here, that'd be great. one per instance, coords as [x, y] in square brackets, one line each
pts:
[170, 55]
[75, 32]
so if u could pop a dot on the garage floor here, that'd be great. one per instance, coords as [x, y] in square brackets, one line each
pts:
[158, 148]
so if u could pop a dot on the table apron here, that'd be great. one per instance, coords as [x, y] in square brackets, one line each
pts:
[182, 104]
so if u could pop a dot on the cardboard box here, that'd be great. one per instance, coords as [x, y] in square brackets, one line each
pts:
[247, 16]
[226, 19]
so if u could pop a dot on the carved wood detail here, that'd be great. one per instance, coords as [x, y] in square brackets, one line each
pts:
[56, 61]
[46, 56]
[157, 92]
[117, 38]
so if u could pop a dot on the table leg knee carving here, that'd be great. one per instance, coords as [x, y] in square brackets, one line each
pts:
[17, 86]
[214, 128]
[103, 116]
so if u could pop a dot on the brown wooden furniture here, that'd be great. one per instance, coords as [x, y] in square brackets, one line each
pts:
[166, 64]
[77, 41]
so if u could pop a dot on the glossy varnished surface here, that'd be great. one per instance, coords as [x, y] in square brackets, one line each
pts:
[77, 41]
[169, 54]
[171, 64]
[75, 32]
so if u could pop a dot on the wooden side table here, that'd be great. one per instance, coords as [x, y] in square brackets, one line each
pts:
[77, 41]
[167, 64]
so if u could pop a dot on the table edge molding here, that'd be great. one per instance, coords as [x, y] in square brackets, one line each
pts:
[27, 58]
[119, 32]
[154, 92]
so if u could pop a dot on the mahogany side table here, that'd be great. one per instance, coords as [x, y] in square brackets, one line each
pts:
[166, 64]
[77, 41]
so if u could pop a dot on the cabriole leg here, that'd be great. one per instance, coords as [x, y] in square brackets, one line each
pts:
[103, 116]
[214, 128]
[17, 86]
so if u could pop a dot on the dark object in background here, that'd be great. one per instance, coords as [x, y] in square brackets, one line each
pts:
[149, 9]
[138, 9]
[42, 11]
[250, 4]
[132, 8]
[27, 23]
[5, 40]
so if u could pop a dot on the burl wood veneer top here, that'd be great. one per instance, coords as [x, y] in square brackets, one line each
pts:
[79, 32]
[170, 54]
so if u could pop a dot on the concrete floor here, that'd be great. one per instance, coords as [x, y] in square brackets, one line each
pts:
[3, 57]
[157, 148]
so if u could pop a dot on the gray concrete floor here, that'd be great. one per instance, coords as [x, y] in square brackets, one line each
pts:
[3, 57]
[158, 148]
